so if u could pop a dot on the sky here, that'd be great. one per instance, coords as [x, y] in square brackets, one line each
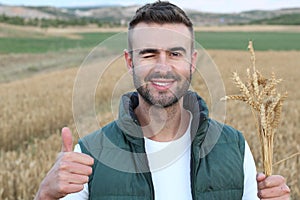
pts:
[219, 6]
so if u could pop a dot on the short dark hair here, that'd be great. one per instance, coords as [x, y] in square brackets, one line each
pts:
[161, 12]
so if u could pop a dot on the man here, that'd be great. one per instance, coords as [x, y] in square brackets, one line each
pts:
[156, 149]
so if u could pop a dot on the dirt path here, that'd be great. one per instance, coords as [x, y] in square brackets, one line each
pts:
[70, 32]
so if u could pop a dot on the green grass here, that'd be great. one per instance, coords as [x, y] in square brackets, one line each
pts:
[209, 40]
[48, 44]
[277, 41]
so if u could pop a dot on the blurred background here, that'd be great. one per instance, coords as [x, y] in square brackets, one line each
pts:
[43, 44]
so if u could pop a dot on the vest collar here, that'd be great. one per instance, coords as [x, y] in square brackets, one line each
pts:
[129, 124]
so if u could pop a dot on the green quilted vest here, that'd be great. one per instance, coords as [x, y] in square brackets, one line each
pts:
[121, 168]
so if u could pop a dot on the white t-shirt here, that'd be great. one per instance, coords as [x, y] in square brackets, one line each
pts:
[166, 159]
[174, 156]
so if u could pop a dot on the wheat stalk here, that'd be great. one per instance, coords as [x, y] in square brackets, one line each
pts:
[266, 104]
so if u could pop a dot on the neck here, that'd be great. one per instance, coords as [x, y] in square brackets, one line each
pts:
[162, 124]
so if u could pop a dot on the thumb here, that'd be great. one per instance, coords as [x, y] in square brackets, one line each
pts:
[67, 140]
[260, 177]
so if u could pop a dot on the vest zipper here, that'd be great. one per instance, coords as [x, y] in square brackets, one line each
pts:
[195, 158]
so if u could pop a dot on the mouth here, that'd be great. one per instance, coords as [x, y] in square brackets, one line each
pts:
[162, 84]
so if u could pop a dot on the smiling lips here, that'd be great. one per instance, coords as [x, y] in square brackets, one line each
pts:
[162, 84]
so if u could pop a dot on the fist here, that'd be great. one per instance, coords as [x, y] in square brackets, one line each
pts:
[69, 173]
[272, 187]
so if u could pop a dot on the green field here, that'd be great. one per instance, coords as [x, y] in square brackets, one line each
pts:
[277, 41]
[209, 40]
[49, 44]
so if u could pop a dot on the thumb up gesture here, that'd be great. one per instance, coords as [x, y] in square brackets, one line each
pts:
[69, 173]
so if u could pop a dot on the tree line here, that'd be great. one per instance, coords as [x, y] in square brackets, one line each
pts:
[57, 23]
[285, 19]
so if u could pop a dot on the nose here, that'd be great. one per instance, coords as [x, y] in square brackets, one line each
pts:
[162, 62]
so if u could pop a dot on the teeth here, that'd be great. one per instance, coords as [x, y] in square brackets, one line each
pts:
[161, 84]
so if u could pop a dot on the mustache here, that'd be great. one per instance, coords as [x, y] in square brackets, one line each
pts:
[158, 75]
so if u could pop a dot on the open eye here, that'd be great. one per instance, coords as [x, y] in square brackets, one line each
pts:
[175, 54]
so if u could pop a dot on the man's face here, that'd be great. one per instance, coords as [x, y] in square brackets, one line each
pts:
[162, 61]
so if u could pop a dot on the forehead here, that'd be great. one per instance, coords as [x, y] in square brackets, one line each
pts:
[160, 36]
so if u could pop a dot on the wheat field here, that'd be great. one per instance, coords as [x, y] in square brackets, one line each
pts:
[34, 109]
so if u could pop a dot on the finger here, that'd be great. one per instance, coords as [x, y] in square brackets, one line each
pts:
[271, 181]
[67, 141]
[64, 190]
[285, 197]
[78, 179]
[273, 192]
[66, 178]
[74, 168]
[81, 169]
[260, 177]
[75, 157]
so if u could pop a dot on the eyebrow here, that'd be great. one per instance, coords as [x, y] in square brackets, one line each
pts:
[152, 50]
[177, 49]
[149, 50]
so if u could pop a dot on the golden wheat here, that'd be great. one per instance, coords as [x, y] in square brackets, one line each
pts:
[266, 103]
[23, 166]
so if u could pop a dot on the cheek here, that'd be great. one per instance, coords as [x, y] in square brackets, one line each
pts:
[184, 72]
[139, 75]
[142, 71]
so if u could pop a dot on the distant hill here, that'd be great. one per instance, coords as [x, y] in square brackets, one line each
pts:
[201, 18]
[285, 19]
[120, 15]
[60, 13]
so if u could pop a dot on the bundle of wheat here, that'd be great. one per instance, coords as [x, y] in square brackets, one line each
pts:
[266, 103]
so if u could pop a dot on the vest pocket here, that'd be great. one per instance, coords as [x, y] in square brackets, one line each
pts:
[231, 194]
[120, 198]
[111, 184]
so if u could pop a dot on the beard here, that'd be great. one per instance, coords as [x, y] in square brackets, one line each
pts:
[164, 98]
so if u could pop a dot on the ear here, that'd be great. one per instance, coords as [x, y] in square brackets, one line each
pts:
[128, 60]
[194, 60]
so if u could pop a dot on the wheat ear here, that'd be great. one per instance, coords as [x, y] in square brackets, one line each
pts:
[266, 105]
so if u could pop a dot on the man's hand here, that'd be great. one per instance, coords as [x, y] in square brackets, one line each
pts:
[69, 173]
[272, 187]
